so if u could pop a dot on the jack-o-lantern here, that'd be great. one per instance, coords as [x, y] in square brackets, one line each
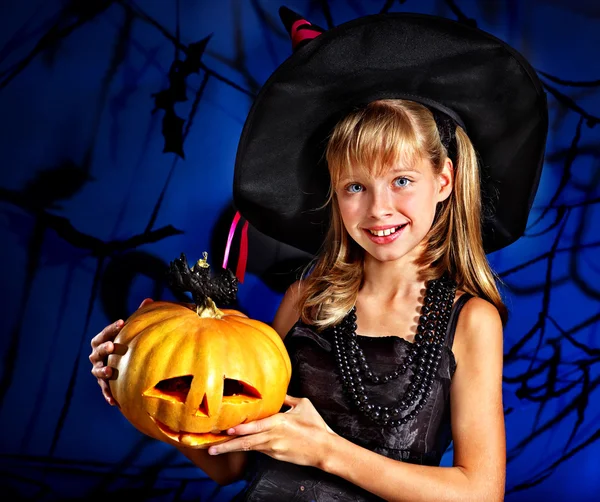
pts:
[186, 373]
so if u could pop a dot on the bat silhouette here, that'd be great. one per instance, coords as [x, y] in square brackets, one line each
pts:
[172, 124]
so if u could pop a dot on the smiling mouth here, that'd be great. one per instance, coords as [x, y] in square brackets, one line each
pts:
[386, 232]
[192, 439]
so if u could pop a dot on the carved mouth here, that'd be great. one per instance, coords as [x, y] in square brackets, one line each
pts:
[191, 439]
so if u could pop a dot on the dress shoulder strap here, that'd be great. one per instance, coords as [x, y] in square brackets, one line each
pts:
[456, 308]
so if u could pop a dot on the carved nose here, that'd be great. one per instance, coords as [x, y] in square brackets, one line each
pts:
[234, 392]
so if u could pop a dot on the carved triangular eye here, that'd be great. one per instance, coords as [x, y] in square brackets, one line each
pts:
[236, 391]
[174, 389]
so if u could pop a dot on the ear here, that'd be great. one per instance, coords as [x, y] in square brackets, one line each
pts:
[445, 180]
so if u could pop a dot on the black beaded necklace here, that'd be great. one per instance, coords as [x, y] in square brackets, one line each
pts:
[423, 358]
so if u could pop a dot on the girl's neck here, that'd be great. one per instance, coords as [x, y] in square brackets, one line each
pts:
[391, 280]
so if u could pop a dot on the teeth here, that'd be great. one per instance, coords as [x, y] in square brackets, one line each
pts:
[383, 233]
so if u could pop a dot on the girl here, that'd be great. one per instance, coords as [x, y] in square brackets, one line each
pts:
[395, 335]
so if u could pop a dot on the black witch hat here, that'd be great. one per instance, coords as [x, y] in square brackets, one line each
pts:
[281, 180]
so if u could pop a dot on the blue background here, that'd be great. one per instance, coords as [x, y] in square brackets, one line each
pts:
[92, 209]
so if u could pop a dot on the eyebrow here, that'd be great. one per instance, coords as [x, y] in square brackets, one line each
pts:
[406, 170]
[398, 170]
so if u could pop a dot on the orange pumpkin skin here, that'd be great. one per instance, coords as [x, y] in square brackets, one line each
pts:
[227, 371]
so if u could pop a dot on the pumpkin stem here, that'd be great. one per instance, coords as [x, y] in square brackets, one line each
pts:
[210, 311]
[205, 289]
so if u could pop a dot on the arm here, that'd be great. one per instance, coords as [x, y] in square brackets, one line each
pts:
[224, 469]
[478, 473]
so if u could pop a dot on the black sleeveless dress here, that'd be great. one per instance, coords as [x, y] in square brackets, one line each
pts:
[314, 375]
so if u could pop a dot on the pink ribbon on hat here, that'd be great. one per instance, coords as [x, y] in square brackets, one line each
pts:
[243, 256]
[298, 35]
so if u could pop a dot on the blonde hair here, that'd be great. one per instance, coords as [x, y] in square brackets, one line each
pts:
[375, 137]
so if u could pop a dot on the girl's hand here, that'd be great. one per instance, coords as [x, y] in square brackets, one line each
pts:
[299, 435]
[102, 347]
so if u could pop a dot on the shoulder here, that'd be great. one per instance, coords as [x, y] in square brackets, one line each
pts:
[288, 312]
[476, 311]
[478, 331]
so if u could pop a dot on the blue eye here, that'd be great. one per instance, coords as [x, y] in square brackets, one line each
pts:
[402, 182]
[354, 188]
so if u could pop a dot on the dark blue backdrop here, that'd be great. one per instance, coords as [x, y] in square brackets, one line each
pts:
[91, 210]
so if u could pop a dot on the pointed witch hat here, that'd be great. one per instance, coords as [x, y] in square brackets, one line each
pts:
[299, 29]
[281, 179]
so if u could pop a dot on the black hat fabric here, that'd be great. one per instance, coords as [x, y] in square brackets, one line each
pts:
[281, 179]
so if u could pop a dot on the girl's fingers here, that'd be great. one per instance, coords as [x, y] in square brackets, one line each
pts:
[107, 393]
[238, 444]
[105, 349]
[145, 301]
[101, 352]
[102, 347]
[291, 401]
[102, 343]
[107, 334]
[102, 372]
[255, 427]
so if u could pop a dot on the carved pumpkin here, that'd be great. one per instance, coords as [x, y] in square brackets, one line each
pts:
[187, 373]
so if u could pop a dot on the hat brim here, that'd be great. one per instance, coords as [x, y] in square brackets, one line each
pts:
[281, 179]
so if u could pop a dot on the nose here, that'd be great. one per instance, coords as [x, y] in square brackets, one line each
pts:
[380, 203]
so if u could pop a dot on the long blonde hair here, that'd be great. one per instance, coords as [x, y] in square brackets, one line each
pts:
[375, 137]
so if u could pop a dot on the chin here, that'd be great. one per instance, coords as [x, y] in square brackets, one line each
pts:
[390, 252]
[386, 255]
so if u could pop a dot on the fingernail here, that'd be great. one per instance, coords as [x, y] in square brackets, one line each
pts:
[212, 451]
[119, 324]
[231, 431]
